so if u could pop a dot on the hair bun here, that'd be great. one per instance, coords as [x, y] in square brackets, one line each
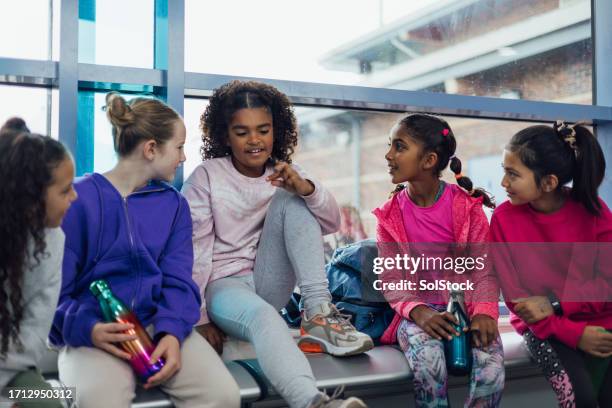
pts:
[118, 111]
[14, 124]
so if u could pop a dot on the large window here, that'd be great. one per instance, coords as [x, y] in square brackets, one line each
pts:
[350, 66]
[519, 49]
[345, 150]
[117, 32]
[37, 106]
[30, 29]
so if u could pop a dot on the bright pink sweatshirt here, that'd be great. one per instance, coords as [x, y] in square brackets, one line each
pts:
[228, 211]
[539, 269]
[469, 226]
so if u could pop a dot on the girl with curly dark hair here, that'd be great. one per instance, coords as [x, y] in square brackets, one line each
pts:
[258, 221]
[36, 173]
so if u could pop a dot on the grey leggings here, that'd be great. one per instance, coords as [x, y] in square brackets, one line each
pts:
[246, 307]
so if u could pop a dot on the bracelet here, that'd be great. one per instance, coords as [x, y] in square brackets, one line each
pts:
[555, 303]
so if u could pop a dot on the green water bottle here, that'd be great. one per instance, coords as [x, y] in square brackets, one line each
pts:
[458, 350]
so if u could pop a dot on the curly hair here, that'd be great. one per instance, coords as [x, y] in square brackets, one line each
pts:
[26, 170]
[236, 95]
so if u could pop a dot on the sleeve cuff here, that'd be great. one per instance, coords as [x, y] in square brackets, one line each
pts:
[407, 308]
[570, 332]
[487, 308]
[83, 335]
[316, 198]
[171, 326]
[570, 308]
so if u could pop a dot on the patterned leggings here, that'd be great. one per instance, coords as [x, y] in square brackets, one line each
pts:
[426, 359]
[566, 371]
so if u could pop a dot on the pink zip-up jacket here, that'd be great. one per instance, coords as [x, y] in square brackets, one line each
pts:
[469, 226]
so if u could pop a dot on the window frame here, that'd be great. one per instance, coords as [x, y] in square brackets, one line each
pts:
[168, 81]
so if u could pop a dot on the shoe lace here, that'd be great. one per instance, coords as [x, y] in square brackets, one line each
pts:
[327, 399]
[343, 319]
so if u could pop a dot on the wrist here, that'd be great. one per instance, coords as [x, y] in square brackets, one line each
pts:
[308, 188]
[555, 303]
[416, 312]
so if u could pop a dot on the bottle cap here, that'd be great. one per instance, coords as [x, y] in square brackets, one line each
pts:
[98, 287]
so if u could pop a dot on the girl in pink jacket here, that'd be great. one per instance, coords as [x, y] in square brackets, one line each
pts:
[427, 217]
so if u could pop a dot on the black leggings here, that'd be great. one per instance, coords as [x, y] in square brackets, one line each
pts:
[566, 371]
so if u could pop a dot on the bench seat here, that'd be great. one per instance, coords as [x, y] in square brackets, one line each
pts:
[384, 367]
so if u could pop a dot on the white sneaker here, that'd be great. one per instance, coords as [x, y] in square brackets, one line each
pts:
[324, 401]
[329, 331]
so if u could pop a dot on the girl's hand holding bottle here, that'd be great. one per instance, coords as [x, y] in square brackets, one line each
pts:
[533, 309]
[436, 324]
[286, 177]
[105, 336]
[170, 349]
[596, 341]
[484, 330]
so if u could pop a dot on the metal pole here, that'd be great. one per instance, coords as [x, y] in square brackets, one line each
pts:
[602, 83]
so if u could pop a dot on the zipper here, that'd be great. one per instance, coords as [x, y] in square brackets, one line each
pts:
[132, 246]
[131, 238]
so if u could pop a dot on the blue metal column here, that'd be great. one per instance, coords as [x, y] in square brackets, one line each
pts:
[602, 83]
[68, 75]
[87, 54]
[170, 56]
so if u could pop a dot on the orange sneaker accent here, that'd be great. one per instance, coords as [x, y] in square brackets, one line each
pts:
[308, 347]
[302, 331]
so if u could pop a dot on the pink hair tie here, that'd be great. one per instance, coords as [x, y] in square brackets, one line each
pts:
[445, 132]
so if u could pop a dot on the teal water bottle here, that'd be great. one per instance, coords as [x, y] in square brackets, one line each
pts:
[458, 350]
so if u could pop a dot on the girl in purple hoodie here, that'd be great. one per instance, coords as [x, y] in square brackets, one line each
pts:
[132, 229]
[427, 216]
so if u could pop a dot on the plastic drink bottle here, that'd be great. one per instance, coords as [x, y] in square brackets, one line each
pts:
[141, 349]
[458, 350]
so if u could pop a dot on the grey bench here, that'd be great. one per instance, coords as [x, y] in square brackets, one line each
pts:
[380, 371]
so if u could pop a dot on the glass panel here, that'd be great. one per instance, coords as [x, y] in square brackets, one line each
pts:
[193, 109]
[30, 104]
[345, 150]
[520, 49]
[55, 113]
[25, 27]
[111, 30]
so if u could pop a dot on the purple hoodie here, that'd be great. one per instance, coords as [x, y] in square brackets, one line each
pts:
[141, 246]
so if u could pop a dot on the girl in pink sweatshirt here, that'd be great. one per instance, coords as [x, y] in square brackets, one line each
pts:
[425, 216]
[558, 292]
[258, 221]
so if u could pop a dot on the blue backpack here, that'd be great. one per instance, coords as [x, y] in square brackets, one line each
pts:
[350, 277]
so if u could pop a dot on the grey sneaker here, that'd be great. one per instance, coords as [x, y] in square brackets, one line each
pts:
[324, 401]
[329, 331]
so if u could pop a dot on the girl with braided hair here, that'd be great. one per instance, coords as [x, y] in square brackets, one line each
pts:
[36, 173]
[559, 297]
[424, 211]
